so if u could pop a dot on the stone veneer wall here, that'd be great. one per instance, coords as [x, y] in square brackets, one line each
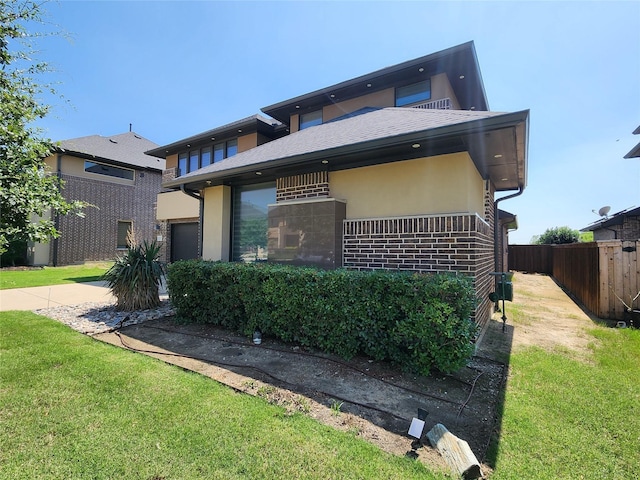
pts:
[306, 185]
[440, 243]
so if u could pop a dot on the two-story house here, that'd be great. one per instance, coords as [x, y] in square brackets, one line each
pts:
[397, 169]
[119, 182]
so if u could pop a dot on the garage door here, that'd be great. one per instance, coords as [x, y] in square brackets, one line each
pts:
[184, 241]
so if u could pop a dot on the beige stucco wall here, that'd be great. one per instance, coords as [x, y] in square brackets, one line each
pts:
[424, 186]
[217, 223]
[441, 88]
[174, 205]
[294, 123]
[247, 142]
[172, 161]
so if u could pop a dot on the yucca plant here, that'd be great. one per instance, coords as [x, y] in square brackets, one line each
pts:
[134, 279]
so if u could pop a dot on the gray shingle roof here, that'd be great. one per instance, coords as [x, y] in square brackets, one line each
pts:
[615, 219]
[384, 123]
[125, 148]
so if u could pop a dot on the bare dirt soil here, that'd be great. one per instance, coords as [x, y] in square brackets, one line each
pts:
[541, 315]
[374, 400]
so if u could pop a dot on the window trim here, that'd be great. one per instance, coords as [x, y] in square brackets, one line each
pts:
[312, 122]
[125, 245]
[236, 194]
[187, 155]
[405, 103]
[122, 169]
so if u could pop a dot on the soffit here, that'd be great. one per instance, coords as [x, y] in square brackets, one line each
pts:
[496, 142]
[245, 126]
[459, 63]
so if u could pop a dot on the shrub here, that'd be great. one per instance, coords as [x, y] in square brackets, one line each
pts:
[134, 279]
[558, 235]
[418, 321]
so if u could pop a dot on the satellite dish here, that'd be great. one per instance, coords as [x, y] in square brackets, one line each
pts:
[604, 211]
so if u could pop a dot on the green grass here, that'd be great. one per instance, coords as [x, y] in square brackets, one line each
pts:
[72, 407]
[567, 419]
[51, 275]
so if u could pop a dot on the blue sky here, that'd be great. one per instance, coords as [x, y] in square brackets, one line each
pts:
[174, 69]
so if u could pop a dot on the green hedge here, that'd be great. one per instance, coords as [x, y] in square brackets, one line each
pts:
[419, 322]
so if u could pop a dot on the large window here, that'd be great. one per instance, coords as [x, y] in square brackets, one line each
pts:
[196, 159]
[125, 231]
[182, 164]
[205, 157]
[250, 221]
[232, 148]
[109, 170]
[310, 119]
[414, 93]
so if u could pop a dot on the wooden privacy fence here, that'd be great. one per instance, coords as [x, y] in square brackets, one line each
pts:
[604, 275]
[531, 258]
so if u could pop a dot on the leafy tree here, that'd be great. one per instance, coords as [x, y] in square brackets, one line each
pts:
[27, 189]
[558, 235]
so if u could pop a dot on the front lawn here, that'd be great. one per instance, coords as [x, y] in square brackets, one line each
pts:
[567, 418]
[38, 277]
[72, 407]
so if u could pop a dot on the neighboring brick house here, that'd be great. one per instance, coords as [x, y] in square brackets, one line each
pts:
[115, 176]
[624, 225]
[397, 169]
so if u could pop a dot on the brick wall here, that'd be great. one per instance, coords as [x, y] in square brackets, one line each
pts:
[445, 243]
[94, 237]
[630, 229]
[298, 187]
[437, 243]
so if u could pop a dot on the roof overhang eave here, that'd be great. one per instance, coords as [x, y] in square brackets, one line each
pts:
[88, 156]
[247, 125]
[496, 123]
[634, 153]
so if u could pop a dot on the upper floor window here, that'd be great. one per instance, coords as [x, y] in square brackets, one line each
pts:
[196, 159]
[182, 164]
[224, 150]
[205, 157]
[310, 119]
[109, 170]
[232, 147]
[414, 93]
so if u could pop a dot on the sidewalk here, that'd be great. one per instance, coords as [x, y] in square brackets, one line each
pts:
[34, 298]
